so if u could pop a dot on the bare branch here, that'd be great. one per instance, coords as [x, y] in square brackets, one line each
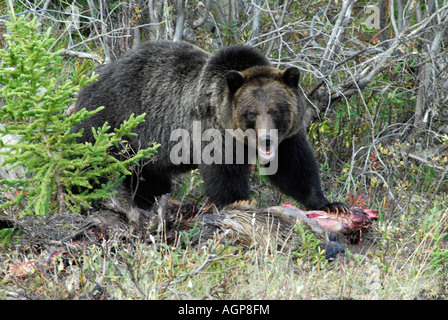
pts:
[277, 26]
[367, 71]
[255, 22]
[180, 10]
[335, 41]
[82, 55]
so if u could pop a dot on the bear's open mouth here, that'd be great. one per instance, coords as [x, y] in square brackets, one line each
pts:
[265, 155]
[266, 150]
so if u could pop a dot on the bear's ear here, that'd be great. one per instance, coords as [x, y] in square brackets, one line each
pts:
[235, 80]
[291, 77]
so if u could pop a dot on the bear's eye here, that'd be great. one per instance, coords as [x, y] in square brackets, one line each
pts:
[274, 113]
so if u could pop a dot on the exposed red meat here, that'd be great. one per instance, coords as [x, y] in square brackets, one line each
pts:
[359, 219]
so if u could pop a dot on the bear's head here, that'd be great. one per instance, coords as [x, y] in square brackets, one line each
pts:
[264, 98]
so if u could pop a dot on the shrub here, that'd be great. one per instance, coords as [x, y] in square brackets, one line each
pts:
[35, 104]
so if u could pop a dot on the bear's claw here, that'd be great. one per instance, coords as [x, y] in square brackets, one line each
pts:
[336, 207]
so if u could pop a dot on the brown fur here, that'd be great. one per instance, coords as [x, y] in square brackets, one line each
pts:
[178, 83]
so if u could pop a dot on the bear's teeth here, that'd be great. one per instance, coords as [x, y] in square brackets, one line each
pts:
[265, 155]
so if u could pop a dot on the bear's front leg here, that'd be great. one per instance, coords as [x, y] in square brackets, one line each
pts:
[225, 183]
[298, 175]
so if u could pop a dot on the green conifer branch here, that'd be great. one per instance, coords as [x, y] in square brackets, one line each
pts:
[55, 163]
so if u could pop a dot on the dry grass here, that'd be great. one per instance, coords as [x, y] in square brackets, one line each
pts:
[397, 260]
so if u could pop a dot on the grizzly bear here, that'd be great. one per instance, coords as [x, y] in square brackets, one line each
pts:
[178, 84]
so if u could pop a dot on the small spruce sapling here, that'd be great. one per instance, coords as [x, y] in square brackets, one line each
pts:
[35, 105]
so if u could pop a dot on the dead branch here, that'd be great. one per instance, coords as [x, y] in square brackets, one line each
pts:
[369, 69]
[336, 39]
[180, 10]
[255, 22]
[83, 55]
